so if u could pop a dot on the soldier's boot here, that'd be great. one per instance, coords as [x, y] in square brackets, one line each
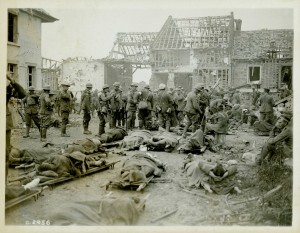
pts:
[39, 127]
[63, 131]
[43, 134]
[168, 124]
[27, 132]
[86, 127]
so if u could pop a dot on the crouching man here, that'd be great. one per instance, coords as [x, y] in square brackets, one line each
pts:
[280, 136]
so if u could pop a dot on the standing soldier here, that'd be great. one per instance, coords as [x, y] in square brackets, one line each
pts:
[85, 105]
[31, 102]
[104, 108]
[122, 110]
[15, 90]
[64, 98]
[255, 96]
[266, 103]
[46, 111]
[164, 107]
[131, 107]
[204, 101]
[236, 98]
[180, 105]
[115, 104]
[193, 109]
[145, 108]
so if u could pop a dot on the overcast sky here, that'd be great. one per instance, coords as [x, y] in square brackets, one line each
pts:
[90, 32]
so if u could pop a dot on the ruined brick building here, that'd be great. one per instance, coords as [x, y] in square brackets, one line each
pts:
[190, 50]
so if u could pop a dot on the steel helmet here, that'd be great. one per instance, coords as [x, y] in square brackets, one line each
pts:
[162, 86]
[105, 86]
[65, 84]
[46, 88]
[89, 85]
[134, 85]
[116, 84]
[31, 88]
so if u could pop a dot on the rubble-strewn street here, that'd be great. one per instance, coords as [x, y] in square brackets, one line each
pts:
[170, 192]
[112, 120]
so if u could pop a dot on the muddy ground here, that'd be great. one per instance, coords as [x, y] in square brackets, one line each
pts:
[208, 209]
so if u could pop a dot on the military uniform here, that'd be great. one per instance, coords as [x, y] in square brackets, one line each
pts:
[64, 98]
[31, 110]
[266, 103]
[236, 99]
[12, 90]
[180, 102]
[115, 105]
[123, 110]
[86, 103]
[104, 109]
[164, 107]
[131, 107]
[46, 110]
[193, 111]
[144, 115]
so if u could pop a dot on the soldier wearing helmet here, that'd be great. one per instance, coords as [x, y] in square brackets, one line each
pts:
[116, 105]
[31, 104]
[180, 102]
[46, 111]
[131, 107]
[193, 109]
[145, 108]
[64, 99]
[164, 106]
[104, 108]
[86, 103]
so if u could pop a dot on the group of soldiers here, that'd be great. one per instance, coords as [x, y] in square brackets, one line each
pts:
[39, 109]
[203, 108]
[162, 107]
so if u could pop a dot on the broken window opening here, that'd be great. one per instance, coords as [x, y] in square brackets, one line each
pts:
[254, 74]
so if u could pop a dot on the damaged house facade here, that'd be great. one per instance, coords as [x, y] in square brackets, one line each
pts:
[191, 50]
[24, 59]
[206, 49]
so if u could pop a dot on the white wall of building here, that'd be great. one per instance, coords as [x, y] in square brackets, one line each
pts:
[27, 50]
[80, 72]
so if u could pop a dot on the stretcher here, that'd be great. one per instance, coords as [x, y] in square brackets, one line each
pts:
[137, 186]
[35, 193]
[51, 183]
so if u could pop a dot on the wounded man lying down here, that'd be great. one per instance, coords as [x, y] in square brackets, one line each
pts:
[215, 178]
[136, 170]
[107, 211]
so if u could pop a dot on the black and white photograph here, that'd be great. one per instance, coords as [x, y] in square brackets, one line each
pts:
[132, 113]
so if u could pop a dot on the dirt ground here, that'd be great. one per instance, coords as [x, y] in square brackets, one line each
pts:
[193, 209]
